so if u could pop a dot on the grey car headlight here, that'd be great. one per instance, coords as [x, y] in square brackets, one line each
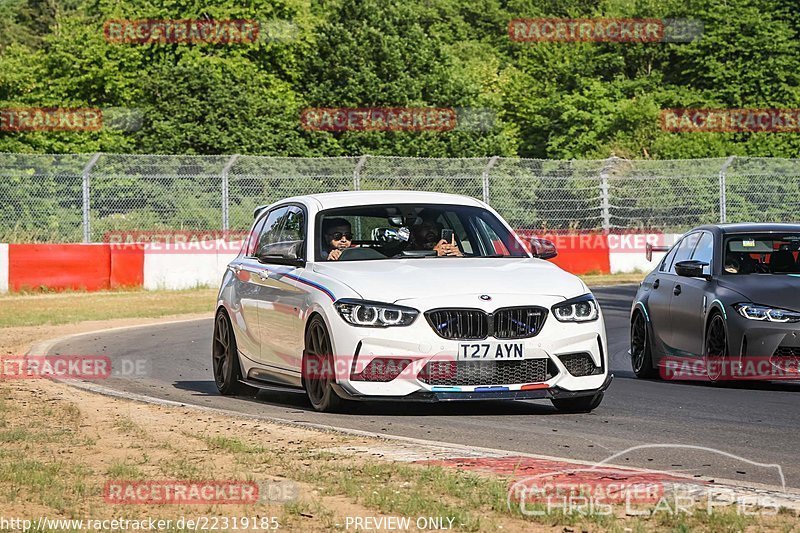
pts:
[765, 313]
[375, 314]
[580, 309]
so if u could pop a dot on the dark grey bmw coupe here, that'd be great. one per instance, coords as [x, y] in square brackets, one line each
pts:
[723, 303]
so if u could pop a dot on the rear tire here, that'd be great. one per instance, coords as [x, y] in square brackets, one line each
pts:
[318, 368]
[641, 353]
[225, 359]
[581, 404]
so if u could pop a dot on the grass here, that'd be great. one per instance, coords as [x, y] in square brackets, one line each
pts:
[70, 307]
[120, 470]
[125, 424]
[230, 445]
[596, 279]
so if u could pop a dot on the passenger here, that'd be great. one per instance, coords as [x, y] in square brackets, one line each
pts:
[337, 236]
[427, 236]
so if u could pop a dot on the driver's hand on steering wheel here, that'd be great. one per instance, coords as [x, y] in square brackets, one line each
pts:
[334, 254]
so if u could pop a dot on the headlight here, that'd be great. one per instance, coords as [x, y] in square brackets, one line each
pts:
[375, 314]
[768, 314]
[581, 309]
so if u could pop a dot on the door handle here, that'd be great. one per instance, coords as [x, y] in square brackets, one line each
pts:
[264, 275]
[677, 290]
[656, 283]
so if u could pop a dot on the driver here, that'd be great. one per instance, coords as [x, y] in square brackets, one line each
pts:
[426, 236]
[337, 235]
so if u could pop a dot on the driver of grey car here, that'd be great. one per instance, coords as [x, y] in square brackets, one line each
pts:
[337, 236]
[426, 235]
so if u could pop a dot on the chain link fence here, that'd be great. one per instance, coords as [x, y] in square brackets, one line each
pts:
[81, 198]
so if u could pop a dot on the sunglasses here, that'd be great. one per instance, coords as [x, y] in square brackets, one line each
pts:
[337, 235]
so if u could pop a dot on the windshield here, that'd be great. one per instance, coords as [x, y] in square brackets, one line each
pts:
[762, 254]
[400, 231]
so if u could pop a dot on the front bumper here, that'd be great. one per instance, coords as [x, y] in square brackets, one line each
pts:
[760, 340]
[433, 397]
[420, 344]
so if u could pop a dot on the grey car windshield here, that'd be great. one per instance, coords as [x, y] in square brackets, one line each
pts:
[400, 231]
[762, 254]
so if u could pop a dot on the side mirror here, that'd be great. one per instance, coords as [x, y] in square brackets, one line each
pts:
[691, 269]
[282, 253]
[543, 249]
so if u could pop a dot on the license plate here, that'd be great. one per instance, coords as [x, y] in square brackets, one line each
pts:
[490, 351]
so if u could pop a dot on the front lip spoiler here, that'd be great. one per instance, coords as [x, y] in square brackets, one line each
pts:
[432, 397]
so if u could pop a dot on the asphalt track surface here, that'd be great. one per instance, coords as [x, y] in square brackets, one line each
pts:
[754, 422]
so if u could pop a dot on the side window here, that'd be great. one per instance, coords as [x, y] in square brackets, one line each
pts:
[293, 228]
[684, 250]
[667, 261]
[705, 251]
[293, 232]
[489, 235]
[252, 239]
[271, 229]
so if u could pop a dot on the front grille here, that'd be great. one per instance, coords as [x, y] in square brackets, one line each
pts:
[475, 324]
[787, 351]
[580, 364]
[787, 358]
[475, 373]
[459, 323]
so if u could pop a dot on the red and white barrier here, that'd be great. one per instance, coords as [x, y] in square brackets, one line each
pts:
[169, 267]
[3, 267]
[183, 266]
[627, 251]
[91, 267]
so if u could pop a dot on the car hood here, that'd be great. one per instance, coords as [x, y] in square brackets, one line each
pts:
[392, 280]
[777, 290]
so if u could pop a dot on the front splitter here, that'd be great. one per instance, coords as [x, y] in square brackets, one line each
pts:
[431, 397]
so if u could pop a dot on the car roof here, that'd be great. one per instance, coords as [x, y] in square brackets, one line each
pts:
[749, 227]
[330, 200]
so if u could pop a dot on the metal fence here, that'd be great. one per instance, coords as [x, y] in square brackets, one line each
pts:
[82, 197]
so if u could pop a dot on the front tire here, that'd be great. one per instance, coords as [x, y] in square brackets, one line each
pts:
[318, 368]
[715, 348]
[641, 352]
[581, 404]
[225, 358]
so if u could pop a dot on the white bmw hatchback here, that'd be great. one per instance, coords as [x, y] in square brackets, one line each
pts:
[398, 295]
